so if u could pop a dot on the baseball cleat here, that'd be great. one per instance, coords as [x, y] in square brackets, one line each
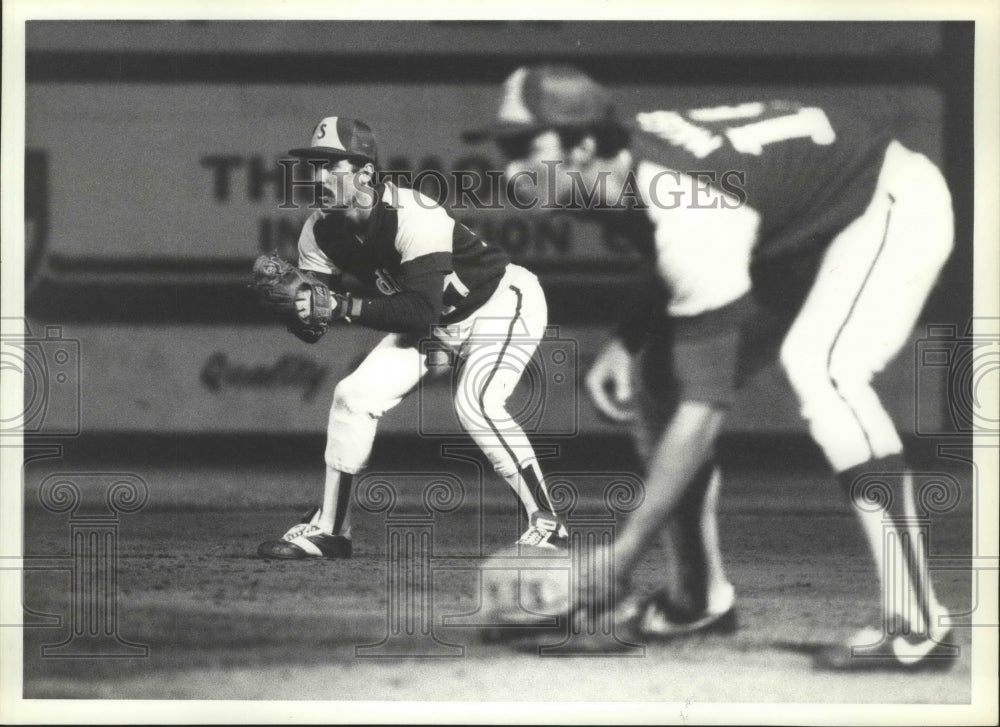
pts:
[306, 540]
[657, 618]
[545, 531]
[873, 650]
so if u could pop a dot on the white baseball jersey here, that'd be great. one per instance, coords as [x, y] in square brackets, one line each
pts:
[406, 228]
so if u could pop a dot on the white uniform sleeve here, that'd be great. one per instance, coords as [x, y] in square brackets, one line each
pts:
[424, 226]
[704, 239]
[311, 258]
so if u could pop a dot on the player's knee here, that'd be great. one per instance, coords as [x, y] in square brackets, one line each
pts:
[851, 378]
[350, 396]
[479, 414]
[804, 368]
[486, 410]
[494, 408]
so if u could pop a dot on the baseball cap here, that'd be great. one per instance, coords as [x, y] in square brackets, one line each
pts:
[541, 97]
[336, 137]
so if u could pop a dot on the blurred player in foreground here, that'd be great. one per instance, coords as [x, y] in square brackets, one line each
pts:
[735, 191]
[429, 277]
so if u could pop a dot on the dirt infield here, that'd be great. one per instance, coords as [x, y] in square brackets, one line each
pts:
[222, 624]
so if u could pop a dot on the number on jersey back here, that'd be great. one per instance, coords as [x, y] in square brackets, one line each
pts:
[806, 170]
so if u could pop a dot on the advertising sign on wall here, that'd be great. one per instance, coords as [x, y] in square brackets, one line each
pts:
[260, 379]
[193, 171]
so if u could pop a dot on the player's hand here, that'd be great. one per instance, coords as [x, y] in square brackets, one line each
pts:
[303, 304]
[298, 299]
[609, 382]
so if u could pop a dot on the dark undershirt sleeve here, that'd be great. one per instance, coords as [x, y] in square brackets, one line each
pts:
[328, 279]
[417, 306]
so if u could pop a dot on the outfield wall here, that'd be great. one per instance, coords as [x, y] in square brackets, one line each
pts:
[153, 180]
[258, 379]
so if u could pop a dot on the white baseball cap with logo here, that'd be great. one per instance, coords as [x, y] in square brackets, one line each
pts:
[336, 137]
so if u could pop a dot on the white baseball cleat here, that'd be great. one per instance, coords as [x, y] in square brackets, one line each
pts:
[872, 649]
[545, 531]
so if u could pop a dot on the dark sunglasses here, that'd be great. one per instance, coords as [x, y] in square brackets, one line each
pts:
[518, 146]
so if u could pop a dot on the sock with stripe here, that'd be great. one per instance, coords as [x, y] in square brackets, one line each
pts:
[335, 515]
[881, 492]
[529, 485]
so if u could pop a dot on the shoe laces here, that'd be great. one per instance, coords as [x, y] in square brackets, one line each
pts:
[299, 530]
[534, 536]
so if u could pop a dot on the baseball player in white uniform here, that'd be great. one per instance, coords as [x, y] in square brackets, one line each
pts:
[426, 277]
[755, 203]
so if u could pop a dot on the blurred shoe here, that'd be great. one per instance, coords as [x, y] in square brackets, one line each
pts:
[872, 649]
[658, 618]
[545, 530]
[306, 540]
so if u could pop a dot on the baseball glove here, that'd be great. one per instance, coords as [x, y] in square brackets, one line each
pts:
[278, 284]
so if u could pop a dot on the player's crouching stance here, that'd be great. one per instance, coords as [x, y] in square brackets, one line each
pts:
[818, 184]
[431, 278]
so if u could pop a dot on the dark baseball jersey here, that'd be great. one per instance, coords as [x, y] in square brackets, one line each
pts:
[732, 188]
[406, 227]
[807, 171]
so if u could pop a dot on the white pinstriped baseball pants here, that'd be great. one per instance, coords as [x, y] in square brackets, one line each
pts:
[868, 293]
[493, 346]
